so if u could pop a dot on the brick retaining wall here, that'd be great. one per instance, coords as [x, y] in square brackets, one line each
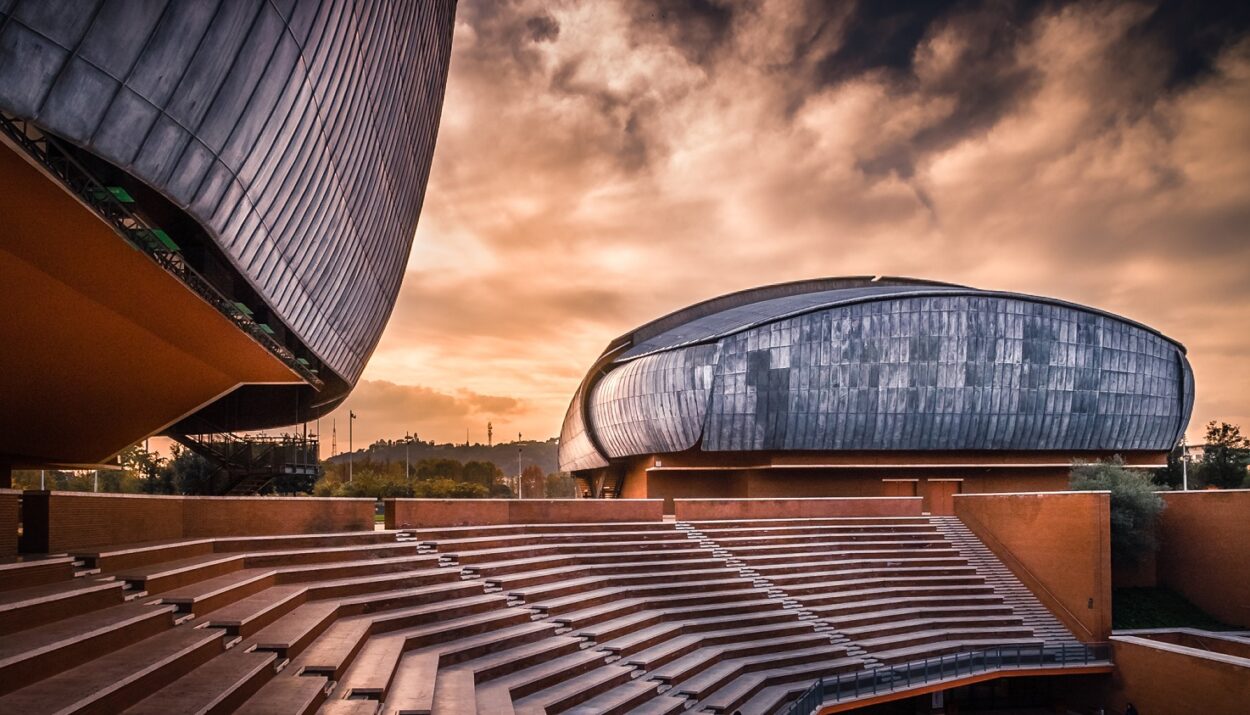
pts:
[401, 513]
[10, 508]
[720, 509]
[57, 522]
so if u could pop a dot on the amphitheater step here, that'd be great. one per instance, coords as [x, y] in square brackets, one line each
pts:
[32, 606]
[113, 682]
[36, 571]
[31, 655]
[618, 700]
[219, 686]
[287, 694]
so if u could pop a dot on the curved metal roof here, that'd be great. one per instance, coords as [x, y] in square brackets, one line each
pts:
[719, 317]
[882, 364]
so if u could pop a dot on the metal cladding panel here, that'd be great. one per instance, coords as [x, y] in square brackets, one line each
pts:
[742, 316]
[654, 404]
[577, 451]
[299, 134]
[947, 373]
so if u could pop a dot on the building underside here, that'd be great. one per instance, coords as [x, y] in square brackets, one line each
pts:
[105, 345]
[208, 209]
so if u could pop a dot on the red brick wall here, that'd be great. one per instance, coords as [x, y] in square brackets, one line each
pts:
[1159, 679]
[267, 516]
[418, 513]
[546, 511]
[1204, 551]
[404, 513]
[10, 506]
[715, 509]
[690, 476]
[1058, 544]
[56, 522]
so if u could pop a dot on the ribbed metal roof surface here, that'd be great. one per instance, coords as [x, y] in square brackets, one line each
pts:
[897, 365]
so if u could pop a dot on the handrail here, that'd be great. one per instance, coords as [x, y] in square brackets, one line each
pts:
[887, 679]
[1004, 553]
[131, 227]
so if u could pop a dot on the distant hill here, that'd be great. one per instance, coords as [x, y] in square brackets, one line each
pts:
[503, 455]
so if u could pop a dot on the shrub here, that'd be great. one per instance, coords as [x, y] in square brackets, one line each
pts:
[1135, 506]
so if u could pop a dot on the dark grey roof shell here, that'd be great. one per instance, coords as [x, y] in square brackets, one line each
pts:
[299, 135]
[887, 364]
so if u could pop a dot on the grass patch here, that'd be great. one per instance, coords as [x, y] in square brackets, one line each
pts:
[379, 518]
[1159, 608]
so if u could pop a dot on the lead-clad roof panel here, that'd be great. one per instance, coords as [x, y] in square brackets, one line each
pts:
[922, 368]
[290, 132]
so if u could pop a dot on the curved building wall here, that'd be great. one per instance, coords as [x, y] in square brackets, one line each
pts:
[953, 373]
[577, 451]
[899, 369]
[298, 134]
[654, 404]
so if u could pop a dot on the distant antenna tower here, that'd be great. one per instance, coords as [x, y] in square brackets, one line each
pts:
[490, 434]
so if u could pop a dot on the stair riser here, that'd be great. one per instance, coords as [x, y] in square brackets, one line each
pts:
[36, 667]
[112, 563]
[502, 669]
[39, 613]
[167, 582]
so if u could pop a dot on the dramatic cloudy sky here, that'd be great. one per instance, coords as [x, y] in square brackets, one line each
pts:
[601, 163]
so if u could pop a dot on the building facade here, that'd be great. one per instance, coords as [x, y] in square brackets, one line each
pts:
[873, 386]
[269, 159]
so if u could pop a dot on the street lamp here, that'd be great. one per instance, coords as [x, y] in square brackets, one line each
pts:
[351, 419]
[1184, 465]
[407, 462]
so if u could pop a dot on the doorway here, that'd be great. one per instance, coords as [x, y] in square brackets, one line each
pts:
[940, 496]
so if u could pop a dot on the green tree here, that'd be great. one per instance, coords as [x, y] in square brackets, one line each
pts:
[189, 472]
[483, 473]
[1135, 506]
[1225, 456]
[560, 486]
[1171, 476]
[533, 482]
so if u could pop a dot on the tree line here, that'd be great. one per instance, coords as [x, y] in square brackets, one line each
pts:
[185, 472]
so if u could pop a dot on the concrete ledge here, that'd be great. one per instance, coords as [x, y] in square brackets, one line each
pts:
[798, 508]
[402, 513]
[1160, 677]
[56, 522]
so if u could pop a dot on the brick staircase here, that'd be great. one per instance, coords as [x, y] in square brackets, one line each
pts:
[647, 617]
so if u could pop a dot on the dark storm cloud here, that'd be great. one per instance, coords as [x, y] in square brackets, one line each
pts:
[983, 80]
[543, 28]
[1191, 34]
[695, 27]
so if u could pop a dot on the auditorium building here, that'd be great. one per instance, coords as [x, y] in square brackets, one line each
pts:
[873, 386]
[207, 211]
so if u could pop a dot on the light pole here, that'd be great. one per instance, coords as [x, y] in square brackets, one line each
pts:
[407, 461]
[1184, 465]
[351, 420]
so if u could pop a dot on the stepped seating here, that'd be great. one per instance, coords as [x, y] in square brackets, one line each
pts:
[649, 617]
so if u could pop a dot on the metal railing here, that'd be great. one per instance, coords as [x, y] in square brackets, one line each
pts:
[896, 678]
[140, 234]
